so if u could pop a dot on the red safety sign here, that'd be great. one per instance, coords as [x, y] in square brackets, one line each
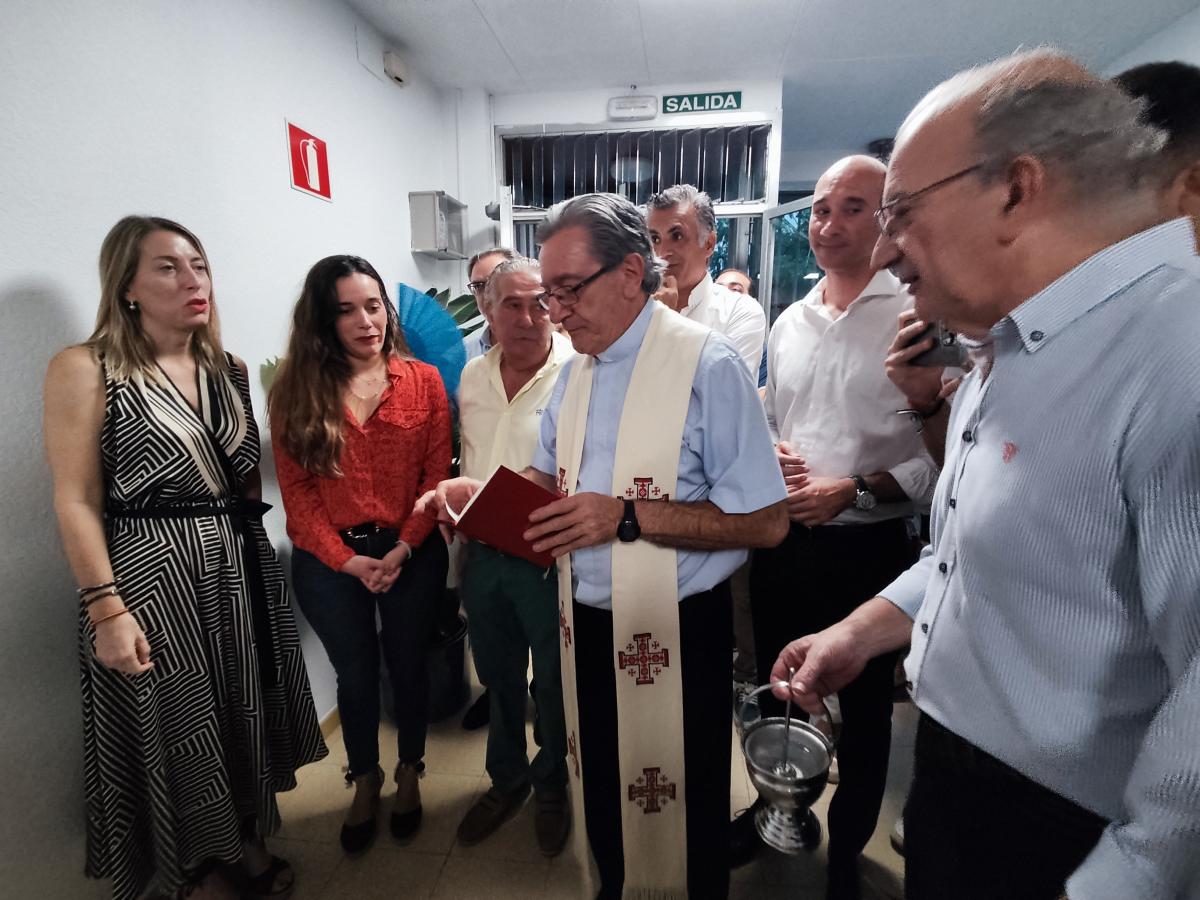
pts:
[310, 162]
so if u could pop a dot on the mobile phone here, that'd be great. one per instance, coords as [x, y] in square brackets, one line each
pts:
[946, 352]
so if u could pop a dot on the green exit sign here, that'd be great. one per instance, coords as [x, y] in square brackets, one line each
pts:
[717, 101]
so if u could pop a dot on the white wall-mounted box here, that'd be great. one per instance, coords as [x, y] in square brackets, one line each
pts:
[439, 224]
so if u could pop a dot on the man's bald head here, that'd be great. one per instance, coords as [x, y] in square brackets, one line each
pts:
[862, 169]
[841, 225]
[1042, 104]
[1007, 175]
[970, 91]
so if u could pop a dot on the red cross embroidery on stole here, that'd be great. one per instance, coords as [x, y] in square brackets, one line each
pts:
[649, 660]
[648, 790]
[571, 752]
[563, 626]
[645, 489]
[561, 482]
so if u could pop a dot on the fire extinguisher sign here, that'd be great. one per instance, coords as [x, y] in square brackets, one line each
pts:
[309, 162]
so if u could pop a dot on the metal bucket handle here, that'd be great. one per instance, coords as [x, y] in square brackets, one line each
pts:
[835, 721]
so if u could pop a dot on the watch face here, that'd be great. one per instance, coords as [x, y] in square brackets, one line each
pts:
[628, 531]
[865, 501]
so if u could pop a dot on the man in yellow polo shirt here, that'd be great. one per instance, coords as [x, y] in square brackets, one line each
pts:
[511, 604]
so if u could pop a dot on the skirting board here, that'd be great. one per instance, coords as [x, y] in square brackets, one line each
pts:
[330, 723]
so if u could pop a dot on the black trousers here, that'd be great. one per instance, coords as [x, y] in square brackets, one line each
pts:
[815, 578]
[974, 827]
[704, 623]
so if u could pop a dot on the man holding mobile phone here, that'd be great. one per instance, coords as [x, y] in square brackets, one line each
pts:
[855, 472]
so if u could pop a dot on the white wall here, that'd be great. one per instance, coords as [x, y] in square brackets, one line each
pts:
[1179, 41]
[176, 110]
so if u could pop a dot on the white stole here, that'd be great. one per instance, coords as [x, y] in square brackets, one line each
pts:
[645, 600]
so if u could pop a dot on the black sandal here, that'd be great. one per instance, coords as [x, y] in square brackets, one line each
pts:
[262, 885]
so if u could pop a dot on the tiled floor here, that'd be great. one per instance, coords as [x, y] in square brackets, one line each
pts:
[508, 863]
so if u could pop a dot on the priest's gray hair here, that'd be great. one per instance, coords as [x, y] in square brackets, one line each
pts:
[491, 291]
[689, 197]
[1042, 103]
[614, 228]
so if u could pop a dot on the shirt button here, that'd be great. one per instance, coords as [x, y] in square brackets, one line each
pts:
[942, 568]
[953, 503]
[924, 628]
[967, 436]
[1036, 335]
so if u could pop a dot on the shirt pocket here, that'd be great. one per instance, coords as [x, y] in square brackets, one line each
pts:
[408, 418]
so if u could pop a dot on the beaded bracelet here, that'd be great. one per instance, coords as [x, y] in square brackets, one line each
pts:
[111, 592]
[96, 587]
[119, 612]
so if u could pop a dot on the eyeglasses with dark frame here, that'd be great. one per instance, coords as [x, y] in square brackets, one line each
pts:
[561, 295]
[476, 287]
[886, 214]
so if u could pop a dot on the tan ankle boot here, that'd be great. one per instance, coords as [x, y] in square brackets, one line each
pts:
[359, 828]
[406, 814]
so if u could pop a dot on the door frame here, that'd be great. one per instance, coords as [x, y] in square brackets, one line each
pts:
[767, 255]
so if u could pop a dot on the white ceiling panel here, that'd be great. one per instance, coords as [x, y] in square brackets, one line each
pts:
[845, 103]
[448, 41]
[727, 40]
[851, 69]
[1093, 30]
[564, 44]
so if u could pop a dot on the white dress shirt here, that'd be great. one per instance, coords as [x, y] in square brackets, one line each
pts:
[1057, 611]
[829, 397]
[737, 316]
[494, 430]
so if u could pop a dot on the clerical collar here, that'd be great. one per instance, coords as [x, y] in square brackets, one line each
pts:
[631, 341]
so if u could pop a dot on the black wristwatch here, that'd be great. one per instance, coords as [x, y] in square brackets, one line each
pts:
[864, 499]
[629, 530]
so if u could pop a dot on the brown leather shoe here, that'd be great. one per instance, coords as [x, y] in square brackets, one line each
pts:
[552, 823]
[489, 813]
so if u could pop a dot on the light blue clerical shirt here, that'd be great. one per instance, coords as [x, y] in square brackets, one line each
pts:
[726, 456]
[1057, 611]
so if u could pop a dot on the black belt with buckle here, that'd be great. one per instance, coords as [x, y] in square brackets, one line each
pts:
[369, 539]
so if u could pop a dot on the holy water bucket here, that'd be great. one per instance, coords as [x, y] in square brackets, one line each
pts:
[788, 761]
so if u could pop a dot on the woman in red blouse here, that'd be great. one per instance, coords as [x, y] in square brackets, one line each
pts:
[360, 430]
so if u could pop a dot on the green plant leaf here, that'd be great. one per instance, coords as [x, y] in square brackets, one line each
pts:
[267, 372]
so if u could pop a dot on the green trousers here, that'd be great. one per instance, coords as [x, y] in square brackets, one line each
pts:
[512, 613]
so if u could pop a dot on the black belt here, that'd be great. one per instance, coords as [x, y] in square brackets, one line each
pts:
[362, 538]
[242, 513]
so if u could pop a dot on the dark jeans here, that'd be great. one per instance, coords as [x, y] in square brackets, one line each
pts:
[512, 614]
[974, 827]
[815, 578]
[342, 613]
[704, 623]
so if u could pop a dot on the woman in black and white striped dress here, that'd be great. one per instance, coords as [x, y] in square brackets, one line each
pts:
[196, 703]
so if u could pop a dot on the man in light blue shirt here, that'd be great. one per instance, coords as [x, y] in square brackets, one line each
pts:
[599, 270]
[1055, 618]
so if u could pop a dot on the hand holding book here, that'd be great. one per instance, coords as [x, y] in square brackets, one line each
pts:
[495, 513]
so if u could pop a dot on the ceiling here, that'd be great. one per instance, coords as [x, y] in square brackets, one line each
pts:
[850, 69]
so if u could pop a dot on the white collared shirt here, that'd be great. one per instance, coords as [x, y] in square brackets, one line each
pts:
[737, 316]
[829, 397]
[494, 430]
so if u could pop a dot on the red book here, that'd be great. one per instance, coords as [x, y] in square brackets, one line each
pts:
[498, 514]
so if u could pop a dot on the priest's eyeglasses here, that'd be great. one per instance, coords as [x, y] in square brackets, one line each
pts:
[888, 213]
[569, 296]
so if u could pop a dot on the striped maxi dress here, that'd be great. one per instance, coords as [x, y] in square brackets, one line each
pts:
[180, 759]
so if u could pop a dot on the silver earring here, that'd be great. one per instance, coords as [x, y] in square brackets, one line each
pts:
[133, 306]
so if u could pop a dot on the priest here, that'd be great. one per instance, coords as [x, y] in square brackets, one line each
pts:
[656, 442]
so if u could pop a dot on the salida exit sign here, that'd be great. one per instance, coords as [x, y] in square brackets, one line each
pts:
[715, 101]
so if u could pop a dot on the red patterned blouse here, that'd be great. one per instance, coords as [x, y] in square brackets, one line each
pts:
[389, 461]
